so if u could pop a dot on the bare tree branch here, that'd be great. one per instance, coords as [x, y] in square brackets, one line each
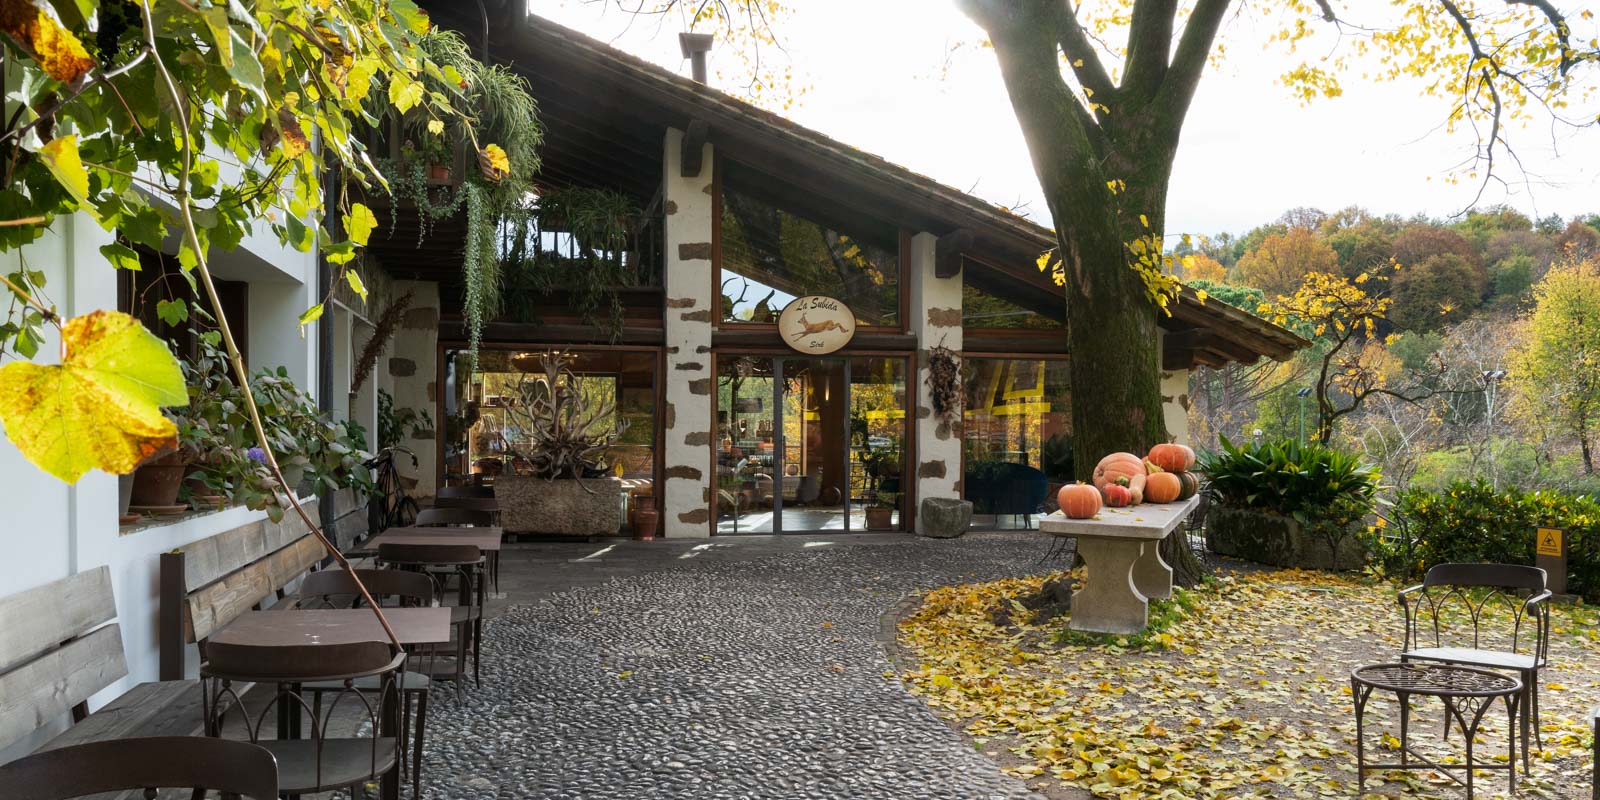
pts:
[1083, 58]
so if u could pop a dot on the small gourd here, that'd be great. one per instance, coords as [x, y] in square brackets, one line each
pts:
[1117, 495]
[1191, 485]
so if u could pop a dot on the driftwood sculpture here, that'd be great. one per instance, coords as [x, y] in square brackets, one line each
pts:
[563, 431]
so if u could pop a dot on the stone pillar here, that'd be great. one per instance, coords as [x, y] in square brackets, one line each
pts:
[685, 496]
[935, 320]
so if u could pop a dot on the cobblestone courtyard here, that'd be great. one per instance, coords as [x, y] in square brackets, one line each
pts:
[712, 674]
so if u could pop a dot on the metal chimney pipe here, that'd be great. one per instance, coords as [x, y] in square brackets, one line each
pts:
[694, 47]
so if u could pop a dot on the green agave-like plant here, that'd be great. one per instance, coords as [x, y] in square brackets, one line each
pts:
[1304, 481]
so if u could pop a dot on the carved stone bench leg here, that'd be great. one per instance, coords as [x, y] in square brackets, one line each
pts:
[1151, 575]
[1109, 601]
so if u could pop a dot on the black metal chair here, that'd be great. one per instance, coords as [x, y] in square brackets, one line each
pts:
[323, 762]
[1456, 600]
[195, 763]
[440, 562]
[336, 588]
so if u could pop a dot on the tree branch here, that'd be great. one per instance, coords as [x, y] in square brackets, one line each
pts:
[1557, 21]
[1189, 61]
[1149, 43]
[1083, 58]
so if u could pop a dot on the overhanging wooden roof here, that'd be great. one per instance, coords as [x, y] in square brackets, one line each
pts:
[605, 112]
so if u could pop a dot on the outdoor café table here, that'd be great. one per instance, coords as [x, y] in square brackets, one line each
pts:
[1125, 571]
[1467, 694]
[414, 626]
[485, 539]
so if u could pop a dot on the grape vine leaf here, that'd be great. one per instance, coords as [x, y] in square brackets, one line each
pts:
[101, 407]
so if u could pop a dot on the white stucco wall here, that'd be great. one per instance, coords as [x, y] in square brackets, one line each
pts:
[412, 366]
[60, 529]
[936, 321]
[1175, 401]
[689, 208]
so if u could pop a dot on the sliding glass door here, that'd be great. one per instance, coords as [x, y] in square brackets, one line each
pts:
[809, 444]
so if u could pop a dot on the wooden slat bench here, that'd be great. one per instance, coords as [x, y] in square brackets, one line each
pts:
[208, 583]
[57, 650]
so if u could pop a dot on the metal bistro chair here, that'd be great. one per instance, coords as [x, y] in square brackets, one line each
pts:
[1461, 594]
[336, 588]
[196, 763]
[477, 498]
[439, 562]
[324, 762]
[464, 516]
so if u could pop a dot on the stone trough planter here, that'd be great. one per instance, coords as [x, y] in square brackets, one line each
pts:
[944, 517]
[590, 507]
[1281, 541]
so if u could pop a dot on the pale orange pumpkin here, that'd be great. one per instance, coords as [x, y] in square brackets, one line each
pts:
[1079, 500]
[1120, 465]
[1172, 457]
[1163, 487]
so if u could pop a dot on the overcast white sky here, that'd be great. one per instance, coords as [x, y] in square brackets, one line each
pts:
[1249, 150]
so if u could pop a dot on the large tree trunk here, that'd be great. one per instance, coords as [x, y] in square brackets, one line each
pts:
[1111, 326]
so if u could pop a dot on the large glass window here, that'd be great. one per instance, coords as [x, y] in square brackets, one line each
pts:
[773, 251]
[483, 438]
[984, 308]
[1017, 442]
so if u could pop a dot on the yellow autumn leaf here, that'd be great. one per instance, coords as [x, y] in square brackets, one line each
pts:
[61, 157]
[495, 163]
[435, 126]
[58, 52]
[101, 407]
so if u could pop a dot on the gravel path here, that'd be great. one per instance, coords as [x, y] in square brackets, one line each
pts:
[718, 679]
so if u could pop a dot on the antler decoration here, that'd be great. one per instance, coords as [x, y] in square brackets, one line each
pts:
[561, 424]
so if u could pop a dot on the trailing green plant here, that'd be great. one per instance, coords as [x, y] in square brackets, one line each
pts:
[1472, 522]
[1311, 483]
[331, 456]
[498, 107]
[597, 227]
[394, 426]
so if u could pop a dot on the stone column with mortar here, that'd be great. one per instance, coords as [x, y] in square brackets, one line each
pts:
[1175, 402]
[935, 320]
[688, 208]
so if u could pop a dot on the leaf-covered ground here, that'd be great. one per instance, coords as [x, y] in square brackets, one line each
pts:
[1245, 693]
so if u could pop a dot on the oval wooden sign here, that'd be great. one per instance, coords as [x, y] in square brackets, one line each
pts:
[816, 324]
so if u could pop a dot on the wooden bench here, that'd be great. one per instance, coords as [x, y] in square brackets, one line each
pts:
[57, 650]
[208, 583]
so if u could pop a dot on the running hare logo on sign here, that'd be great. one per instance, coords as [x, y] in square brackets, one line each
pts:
[816, 324]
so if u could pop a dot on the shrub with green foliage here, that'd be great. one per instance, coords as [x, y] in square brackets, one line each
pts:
[1471, 522]
[1309, 482]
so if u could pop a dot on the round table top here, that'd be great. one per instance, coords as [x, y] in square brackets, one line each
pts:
[1442, 680]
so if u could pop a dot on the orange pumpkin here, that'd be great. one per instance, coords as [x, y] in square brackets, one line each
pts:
[1172, 457]
[1120, 465]
[1163, 487]
[1079, 500]
[1117, 495]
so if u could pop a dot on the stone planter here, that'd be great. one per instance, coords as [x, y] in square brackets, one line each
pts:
[590, 507]
[943, 517]
[1281, 541]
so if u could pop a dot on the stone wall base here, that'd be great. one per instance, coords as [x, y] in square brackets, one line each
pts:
[1280, 541]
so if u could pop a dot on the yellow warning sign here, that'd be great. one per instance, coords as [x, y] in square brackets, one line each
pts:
[1549, 542]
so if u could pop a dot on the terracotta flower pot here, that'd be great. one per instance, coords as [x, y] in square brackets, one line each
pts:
[880, 519]
[645, 521]
[156, 482]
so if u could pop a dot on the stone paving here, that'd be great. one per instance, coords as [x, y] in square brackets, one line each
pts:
[709, 677]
